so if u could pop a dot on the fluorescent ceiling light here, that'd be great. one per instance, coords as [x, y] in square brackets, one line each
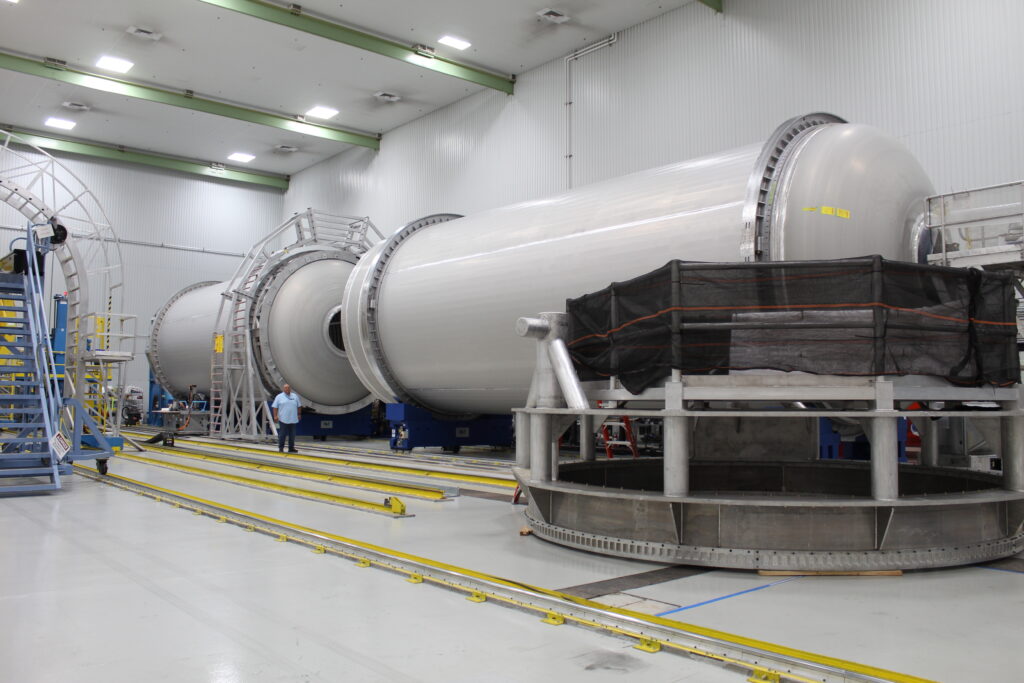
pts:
[452, 41]
[241, 157]
[115, 64]
[63, 124]
[13, 1]
[319, 112]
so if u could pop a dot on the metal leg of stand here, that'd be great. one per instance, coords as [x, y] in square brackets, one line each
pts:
[677, 433]
[1013, 453]
[555, 453]
[540, 448]
[884, 459]
[522, 440]
[929, 441]
[587, 438]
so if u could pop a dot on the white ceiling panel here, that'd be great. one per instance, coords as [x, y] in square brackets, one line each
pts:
[507, 36]
[223, 55]
[26, 102]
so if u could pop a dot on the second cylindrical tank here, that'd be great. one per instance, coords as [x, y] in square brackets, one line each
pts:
[428, 314]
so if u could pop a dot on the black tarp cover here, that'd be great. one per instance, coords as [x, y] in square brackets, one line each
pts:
[862, 317]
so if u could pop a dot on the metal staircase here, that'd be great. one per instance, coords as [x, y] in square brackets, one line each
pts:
[238, 400]
[29, 394]
[99, 341]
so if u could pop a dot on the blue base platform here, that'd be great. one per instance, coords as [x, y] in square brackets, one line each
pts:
[832, 447]
[413, 427]
[359, 423]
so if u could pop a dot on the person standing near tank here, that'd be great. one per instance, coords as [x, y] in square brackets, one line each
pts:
[287, 409]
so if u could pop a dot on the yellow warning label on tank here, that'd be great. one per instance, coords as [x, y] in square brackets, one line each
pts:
[218, 343]
[828, 211]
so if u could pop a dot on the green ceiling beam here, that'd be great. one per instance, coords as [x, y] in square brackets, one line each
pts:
[149, 159]
[36, 67]
[713, 4]
[364, 41]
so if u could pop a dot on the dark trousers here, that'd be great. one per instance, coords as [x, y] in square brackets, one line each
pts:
[285, 429]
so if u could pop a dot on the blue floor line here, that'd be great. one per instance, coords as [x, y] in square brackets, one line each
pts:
[726, 597]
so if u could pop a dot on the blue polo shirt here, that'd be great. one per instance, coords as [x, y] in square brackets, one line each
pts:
[287, 407]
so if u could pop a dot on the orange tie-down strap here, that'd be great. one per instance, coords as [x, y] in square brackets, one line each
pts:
[788, 307]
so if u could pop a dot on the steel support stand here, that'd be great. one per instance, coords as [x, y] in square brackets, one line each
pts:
[929, 429]
[540, 448]
[884, 449]
[677, 434]
[884, 459]
[587, 438]
[1013, 447]
[523, 440]
[543, 447]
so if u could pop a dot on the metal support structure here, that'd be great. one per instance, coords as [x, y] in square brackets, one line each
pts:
[127, 156]
[677, 434]
[789, 514]
[364, 41]
[522, 427]
[38, 67]
[713, 4]
[929, 430]
[1013, 447]
[238, 393]
[99, 340]
[884, 459]
[547, 390]
[587, 438]
[882, 432]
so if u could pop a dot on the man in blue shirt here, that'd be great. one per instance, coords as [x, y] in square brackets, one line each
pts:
[287, 409]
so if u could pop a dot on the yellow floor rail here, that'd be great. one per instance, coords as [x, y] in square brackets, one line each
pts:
[376, 485]
[509, 484]
[392, 506]
[763, 661]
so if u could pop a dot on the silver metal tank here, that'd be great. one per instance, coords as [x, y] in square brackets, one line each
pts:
[294, 323]
[181, 339]
[296, 328]
[429, 312]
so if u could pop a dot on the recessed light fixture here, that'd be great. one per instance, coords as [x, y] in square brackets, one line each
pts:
[320, 112]
[115, 64]
[241, 157]
[63, 124]
[452, 41]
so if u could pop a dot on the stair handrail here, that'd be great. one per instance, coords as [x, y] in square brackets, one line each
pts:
[42, 349]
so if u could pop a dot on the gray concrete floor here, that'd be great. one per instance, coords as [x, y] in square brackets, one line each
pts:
[100, 584]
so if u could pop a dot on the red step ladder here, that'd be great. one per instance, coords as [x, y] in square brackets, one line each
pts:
[611, 439]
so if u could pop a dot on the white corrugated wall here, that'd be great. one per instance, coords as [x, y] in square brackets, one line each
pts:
[186, 214]
[941, 75]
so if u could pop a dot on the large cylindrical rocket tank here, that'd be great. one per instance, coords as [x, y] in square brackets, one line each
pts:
[296, 327]
[293, 325]
[181, 340]
[429, 312]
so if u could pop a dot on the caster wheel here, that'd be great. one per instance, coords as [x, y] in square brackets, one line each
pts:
[101, 466]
